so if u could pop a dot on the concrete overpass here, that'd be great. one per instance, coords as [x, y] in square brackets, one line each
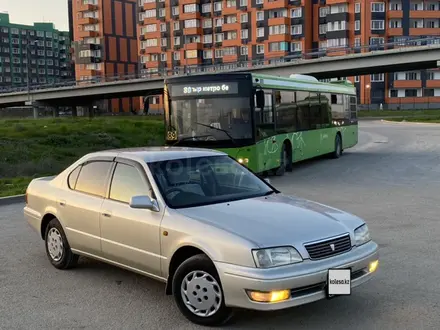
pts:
[402, 59]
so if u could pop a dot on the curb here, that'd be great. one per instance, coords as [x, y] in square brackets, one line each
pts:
[408, 122]
[11, 200]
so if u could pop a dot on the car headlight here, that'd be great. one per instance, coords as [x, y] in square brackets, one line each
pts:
[277, 256]
[362, 235]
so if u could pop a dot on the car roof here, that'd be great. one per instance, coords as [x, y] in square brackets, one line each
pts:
[154, 154]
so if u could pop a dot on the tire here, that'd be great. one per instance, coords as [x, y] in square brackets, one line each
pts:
[57, 247]
[338, 147]
[285, 161]
[189, 286]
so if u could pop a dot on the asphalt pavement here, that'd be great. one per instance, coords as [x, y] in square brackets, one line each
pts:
[391, 179]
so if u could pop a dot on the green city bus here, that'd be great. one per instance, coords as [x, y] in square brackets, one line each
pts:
[265, 122]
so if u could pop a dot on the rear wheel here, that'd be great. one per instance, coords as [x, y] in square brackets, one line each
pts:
[198, 292]
[57, 246]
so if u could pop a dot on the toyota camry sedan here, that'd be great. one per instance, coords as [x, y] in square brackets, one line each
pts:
[217, 235]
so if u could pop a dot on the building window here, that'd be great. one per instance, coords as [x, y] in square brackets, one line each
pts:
[207, 54]
[163, 42]
[416, 5]
[218, 37]
[296, 29]
[260, 49]
[295, 46]
[218, 22]
[278, 46]
[218, 53]
[175, 10]
[192, 23]
[416, 23]
[243, 3]
[376, 41]
[163, 57]
[323, 11]
[176, 56]
[428, 92]
[379, 77]
[191, 53]
[207, 38]
[412, 76]
[260, 16]
[430, 75]
[192, 8]
[395, 5]
[207, 23]
[410, 92]
[231, 19]
[206, 8]
[218, 6]
[395, 23]
[244, 50]
[176, 25]
[378, 7]
[244, 34]
[244, 18]
[322, 28]
[377, 25]
[296, 12]
[260, 32]
[357, 7]
[357, 25]
[277, 29]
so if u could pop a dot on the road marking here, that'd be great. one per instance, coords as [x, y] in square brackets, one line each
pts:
[407, 123]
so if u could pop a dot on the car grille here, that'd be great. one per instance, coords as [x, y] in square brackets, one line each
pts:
[323, 249]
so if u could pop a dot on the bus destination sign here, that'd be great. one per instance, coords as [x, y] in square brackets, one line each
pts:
[204, 89]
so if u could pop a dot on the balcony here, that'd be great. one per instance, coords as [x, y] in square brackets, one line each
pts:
[395, 32]
[231, 27]
[153, 50]
[188, 2]
[277, 4]
[149, 5]
[336, 2]
[423, 31]
[231, 42]
[88, 34]
[151, 64]
[194, 46]
[424, 14]
[230, 10]
[279, 21]
[407, 84]
[395, 14]
[87, 20]
[87, 7]
[193, 31]
[279, 37]
[150, 20]
[194, 15]
[433, 83]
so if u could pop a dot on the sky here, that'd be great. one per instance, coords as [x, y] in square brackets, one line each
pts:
[30, 11]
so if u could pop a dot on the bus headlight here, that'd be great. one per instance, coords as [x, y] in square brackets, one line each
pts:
[243, 160]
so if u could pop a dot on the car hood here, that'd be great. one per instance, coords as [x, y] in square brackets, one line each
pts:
[276, 220]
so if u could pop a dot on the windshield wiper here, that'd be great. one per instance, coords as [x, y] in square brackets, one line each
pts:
[219, 129]
[189, 137]
[270, 193]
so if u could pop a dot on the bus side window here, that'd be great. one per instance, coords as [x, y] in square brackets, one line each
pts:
[303, 110]
[285, 108]
[324, 101]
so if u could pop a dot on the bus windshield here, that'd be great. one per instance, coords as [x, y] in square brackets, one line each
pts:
[205, 118]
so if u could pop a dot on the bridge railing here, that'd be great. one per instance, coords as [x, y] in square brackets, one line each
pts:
[314, 54]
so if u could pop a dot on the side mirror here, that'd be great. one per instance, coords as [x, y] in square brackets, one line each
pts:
[260, 99]
[267, 180]
[144, 202]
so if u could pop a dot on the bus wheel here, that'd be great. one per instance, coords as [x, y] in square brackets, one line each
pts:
[286, 161]
[338, 147]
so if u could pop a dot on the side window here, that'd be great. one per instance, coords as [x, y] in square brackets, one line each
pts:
[303, 104]
[73, 176]
[325, 109]
[92, 178]
[338, 108]
[285, 108]
[265, 119]
[126, 183]
[314, 111]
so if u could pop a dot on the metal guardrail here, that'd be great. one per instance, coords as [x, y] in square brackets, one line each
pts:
[319, 54]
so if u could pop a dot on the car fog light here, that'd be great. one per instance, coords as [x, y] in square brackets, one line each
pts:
[272, 296]
[372, 267]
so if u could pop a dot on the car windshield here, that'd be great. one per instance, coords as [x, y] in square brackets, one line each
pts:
[199, 117]
[197, 181]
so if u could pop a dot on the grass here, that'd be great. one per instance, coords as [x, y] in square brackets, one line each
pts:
[399, 113]
[34, 148]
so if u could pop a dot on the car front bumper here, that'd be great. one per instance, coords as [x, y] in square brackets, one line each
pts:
[306, 281]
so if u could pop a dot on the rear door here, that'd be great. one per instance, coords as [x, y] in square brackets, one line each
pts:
[80, 207]
[130, 236]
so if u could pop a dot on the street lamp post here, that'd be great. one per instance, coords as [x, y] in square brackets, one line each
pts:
[367, 95]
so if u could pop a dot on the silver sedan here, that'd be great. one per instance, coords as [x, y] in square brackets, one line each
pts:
[219, 236]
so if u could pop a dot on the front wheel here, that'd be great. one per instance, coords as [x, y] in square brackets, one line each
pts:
[338, 147]
[198, 292]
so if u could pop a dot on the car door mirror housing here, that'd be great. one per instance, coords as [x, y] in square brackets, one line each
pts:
[144, 202]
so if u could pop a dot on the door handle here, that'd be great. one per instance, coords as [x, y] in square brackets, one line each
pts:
[107, 214]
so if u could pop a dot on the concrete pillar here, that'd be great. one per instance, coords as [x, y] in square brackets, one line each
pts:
[56, 111]
[74, 111]
[35, 108]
